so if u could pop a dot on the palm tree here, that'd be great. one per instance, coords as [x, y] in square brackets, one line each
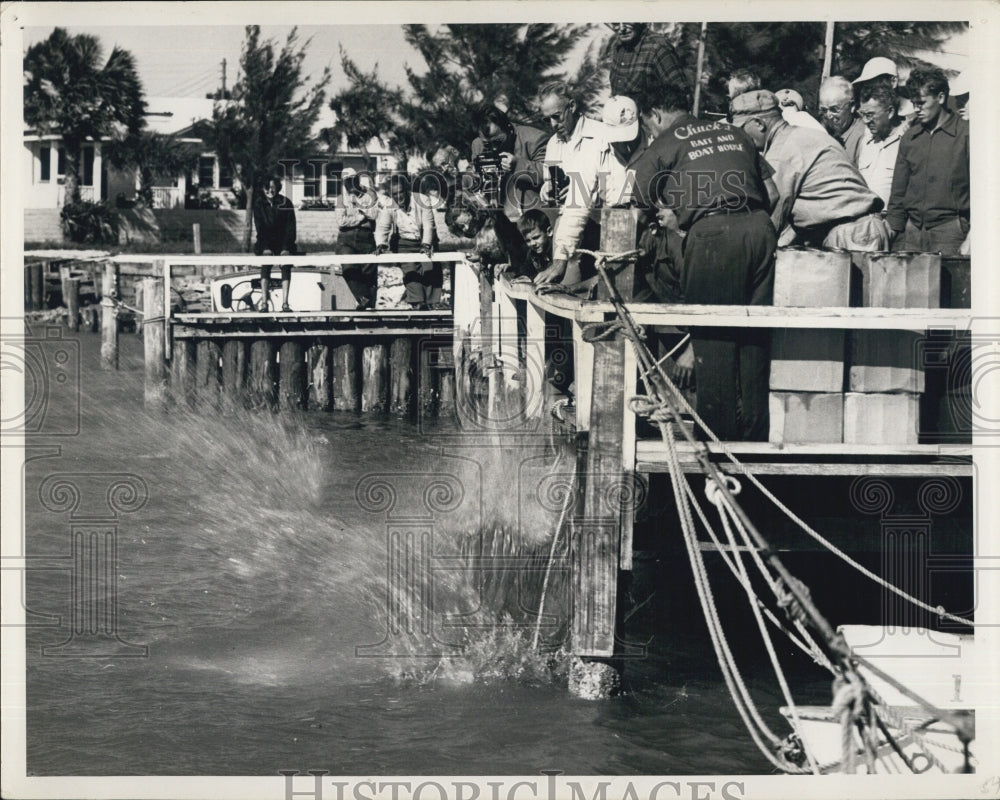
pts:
[68, 91]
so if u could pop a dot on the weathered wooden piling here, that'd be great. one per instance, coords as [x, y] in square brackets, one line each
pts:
[346, 390]
[207, 373]
[292, 380]
[427, 381]
[375, 377]
[184, 357]
[401, 375]
[262, 374]
[320, 358]
[73, 303]
[234, 373]
[35, 275]
[109, 318]
[594, 551]
[154, 343]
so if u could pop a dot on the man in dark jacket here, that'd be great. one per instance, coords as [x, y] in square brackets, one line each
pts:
[517, 152]
[929, 205]
[274, 221]
[717, 184]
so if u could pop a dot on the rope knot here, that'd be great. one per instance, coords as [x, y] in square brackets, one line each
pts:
[599, 331]
[714, 492]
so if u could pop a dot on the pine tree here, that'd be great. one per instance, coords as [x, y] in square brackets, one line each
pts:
[365, 110]
[471, 64]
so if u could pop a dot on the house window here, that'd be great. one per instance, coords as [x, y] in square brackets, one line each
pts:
[206, 172]
[61, 162]
[88, 166]
[45, 164]
[225, 176]
[333, 179]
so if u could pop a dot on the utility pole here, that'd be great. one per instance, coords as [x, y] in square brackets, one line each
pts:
[828, 50]
[223, 79]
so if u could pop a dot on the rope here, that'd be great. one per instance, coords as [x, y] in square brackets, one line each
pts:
[570, 495]
[851, 699]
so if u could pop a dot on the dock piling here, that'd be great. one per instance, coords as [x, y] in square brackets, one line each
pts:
[346, 394]
[292, 383]
[262, 375]
[109, 318]
[154, 342]
[401, 375]
[320, 358]
[207, 384]
[234, 373]
[73, 304]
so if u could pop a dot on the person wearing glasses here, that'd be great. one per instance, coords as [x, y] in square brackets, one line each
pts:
[636, 54]
[929, 205]
[879, 111]
[823, 200]
[836, 111]
[274, 221]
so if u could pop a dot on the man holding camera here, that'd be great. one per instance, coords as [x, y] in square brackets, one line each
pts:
[508, 161]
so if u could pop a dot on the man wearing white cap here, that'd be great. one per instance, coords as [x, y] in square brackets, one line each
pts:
[883, 70]
[792, 104]
[597, 176]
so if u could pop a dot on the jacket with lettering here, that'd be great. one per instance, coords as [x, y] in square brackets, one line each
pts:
[698, 166]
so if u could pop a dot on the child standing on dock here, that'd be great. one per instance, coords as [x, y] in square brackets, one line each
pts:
[274, 221]
[406, 225]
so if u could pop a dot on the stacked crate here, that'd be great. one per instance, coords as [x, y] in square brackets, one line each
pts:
[857, 387]
[886, 377]
[807, 365]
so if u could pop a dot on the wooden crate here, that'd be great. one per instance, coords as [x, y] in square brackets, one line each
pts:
[807, 417]
[807, 360]
[810, 278]
[885, 361]
[956, 282]
[900, 280]
[881, 418]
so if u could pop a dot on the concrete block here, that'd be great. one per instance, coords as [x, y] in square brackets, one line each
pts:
[807, 360]
[881, 418]
[901, 280]
[806, 417]
[810, 278]
[885, 361]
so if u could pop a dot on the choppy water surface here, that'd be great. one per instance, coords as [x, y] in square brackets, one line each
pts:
[257, 569]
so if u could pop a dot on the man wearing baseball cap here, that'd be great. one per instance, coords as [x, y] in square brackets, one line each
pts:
[715, 182]
[823, 200]
[597, 176]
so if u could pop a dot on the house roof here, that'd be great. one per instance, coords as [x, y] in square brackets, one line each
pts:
[175, 114]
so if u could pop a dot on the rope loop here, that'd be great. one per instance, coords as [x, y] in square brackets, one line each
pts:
[790, 605]
[714, 493]
[557, 408]
[599, 331]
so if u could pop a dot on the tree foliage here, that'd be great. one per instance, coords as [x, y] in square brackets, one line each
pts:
[790, 54]
[153, 155]
[366, 109]
[69, 91]
[271, 115]
[470, 64]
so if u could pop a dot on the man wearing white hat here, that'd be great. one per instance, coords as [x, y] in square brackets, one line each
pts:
[883, 70]
[597, 176]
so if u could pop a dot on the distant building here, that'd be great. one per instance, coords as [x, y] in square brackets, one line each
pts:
[312, 182]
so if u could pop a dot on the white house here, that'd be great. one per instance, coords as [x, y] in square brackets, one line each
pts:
[317, 180]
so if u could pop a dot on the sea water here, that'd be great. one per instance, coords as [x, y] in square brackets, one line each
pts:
[263, 623]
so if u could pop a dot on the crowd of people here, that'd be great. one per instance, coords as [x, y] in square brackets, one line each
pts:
[881, 167]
